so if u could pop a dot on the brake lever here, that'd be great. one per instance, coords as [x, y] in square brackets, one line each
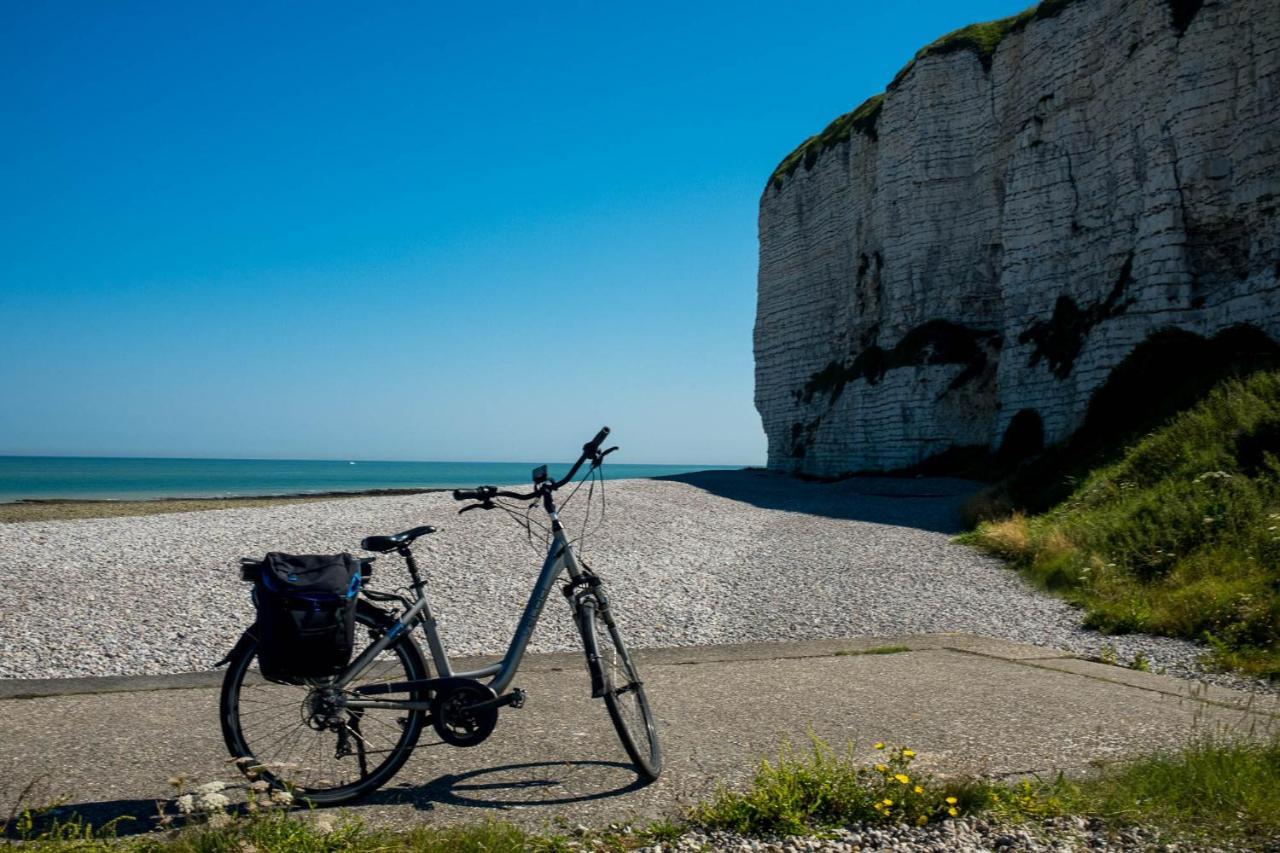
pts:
[598, 459]
[484, 505]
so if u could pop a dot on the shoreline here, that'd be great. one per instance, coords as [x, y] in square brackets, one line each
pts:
[72, 509]
[336, 493]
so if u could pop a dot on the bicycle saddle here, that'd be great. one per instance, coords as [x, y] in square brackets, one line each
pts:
[390, 543]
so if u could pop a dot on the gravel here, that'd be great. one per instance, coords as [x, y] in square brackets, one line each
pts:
[718, 557]
[963, 834]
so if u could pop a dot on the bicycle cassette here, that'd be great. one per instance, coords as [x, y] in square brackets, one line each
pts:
[454, 712]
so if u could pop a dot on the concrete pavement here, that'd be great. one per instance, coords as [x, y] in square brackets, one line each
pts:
[966, 704]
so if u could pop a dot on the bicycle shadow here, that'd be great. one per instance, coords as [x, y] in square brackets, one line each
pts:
[924, 503]
[109, 818]
[524, 785]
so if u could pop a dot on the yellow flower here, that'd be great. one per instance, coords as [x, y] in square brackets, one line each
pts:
[902, 777]
[919, 790]
[922, 820]
[880, 768]
[951, 801]
[879, 745]
[953, 811]
[907, 753]
[887, 801]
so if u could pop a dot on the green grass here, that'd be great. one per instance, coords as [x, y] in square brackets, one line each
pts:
[1179, 536]
[1210, 789]
[878, 650]
[801, 793]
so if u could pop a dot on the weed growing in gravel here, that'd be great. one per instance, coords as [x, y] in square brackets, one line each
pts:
[802, 793]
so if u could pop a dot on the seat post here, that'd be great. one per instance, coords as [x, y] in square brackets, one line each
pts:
[404, 551]
[426, 617]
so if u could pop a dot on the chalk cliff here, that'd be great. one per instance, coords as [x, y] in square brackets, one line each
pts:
[1028, 202]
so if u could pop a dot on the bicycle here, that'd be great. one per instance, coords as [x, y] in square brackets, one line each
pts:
[335, 740]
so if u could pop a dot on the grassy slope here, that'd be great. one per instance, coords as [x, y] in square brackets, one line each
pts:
[1179, 536]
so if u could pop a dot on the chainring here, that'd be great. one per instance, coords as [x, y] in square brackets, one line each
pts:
[454, 722]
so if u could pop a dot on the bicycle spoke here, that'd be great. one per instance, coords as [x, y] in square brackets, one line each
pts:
[302, 737]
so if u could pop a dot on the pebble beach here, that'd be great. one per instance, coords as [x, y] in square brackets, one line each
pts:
[701, 559]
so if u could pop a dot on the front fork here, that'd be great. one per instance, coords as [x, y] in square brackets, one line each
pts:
[587, 598]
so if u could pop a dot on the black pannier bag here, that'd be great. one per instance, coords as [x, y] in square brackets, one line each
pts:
[306, 613]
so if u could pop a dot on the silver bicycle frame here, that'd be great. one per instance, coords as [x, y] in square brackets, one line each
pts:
[559, 559]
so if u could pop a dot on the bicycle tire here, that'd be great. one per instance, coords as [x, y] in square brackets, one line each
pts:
[628, 704]
[403, 660]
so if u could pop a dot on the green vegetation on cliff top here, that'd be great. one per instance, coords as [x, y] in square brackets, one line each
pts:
[1179, 535]
[981, 38]
[863, 119]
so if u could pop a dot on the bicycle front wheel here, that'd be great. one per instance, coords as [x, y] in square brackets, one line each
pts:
[286, 735]
[624, 693]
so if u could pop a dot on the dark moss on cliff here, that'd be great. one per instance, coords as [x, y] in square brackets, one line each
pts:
[861, 120]
[802, 437]
[934, 342]
[1059, 339]
[1183, 13]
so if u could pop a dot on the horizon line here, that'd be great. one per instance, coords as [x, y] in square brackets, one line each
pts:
[344, 459]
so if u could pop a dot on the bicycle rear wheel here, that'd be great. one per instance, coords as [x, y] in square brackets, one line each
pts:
[282, 734]
[624, 693]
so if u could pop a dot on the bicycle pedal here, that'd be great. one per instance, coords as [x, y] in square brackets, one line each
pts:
[517, 698]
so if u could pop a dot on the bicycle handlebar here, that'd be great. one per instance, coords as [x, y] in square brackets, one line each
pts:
[486, 494]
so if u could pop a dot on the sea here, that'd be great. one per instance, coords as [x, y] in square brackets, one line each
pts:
[118, 478]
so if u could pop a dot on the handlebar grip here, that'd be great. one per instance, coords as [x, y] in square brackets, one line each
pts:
[590, 448]
[481, 494]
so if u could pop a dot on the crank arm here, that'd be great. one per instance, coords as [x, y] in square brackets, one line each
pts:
[515, 699]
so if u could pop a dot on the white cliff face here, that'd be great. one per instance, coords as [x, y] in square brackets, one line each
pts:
[1001, 238]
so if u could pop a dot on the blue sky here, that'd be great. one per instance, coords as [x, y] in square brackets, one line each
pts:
[405, 231]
